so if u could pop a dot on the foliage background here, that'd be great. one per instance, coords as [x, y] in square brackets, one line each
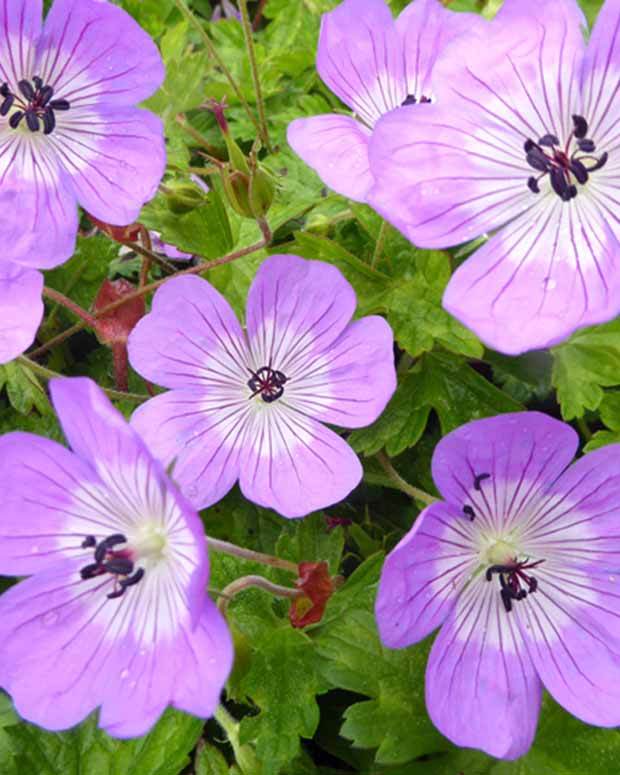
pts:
[328, 699]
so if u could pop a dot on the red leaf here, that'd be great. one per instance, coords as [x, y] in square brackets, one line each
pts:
[115, 326]
[317, 587]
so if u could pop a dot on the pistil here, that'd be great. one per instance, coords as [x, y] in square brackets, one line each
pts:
[118, 562]
[511, 575]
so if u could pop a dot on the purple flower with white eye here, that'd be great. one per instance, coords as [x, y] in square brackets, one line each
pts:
[115, 613]
[523, 137]
[21, 308]
[249, 406]
[519, 566]
[69, 133]
[374, 64]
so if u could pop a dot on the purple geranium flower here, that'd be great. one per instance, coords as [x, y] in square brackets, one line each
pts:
[519, 566]
[21, 308]
[68, 129]
[168, 250]
[374, 64]
[250, 407]
[115, 613]
[523, 137]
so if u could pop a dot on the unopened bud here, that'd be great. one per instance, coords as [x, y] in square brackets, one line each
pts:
[184, 197]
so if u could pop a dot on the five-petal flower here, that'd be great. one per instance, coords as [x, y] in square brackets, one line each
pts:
[523, 137]
[250, 408]
[115, 614]
[518, 566]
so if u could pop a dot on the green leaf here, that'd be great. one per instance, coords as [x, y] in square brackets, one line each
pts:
[204, 231]
[23, 389]
[584, 365]
[452, 388]
[86, 749]
[283, 682]
[394, 719]
[209, 761]
[610, 416]
[307, 540]
[414, 307]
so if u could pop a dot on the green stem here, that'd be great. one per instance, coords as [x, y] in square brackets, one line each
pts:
[401, 484]
[379, 244]
[49, 374]
[248, 554]
[584, 429]
[249, 43]
[193, 20]
[244, 755]
[253, 582]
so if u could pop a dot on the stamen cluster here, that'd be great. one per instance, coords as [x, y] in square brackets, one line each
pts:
[109, 560]
[268, 382]
[35, 105]
[562, 168]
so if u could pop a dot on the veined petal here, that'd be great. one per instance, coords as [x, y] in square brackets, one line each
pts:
[499, 465]
[482, 690]
[577, 521]
[38, 213]
[200, 435]
[360, 58]
[40, 515]
[20, 26]
[295, 310]
[293, 464]
[541, 277]
[204, 348]
[425, 28]
[336, 147]
[423, 575]
[570, 626]
[115, 159]
[444, 177]
[351, 382]
[94, 53]
[21, 309]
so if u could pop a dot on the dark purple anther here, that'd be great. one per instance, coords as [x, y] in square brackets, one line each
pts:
[479, 479]
[35, 102]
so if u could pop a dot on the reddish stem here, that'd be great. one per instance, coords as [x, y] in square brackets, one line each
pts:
[67, 303]
[121, 366]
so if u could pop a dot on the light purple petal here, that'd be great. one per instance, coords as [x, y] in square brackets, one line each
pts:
[191, 338]
[93, 52]
[66, 649]
[200, 435]
[115, 159]
[540, 278]
[360, 59]
[423, 575]
[38, 213]
[482, 690]
[20, 26]
[293, 464]
[351, 382]
[426, 27]
[520, 454]
[336, 147]
[21, 309]
[444, 177]
[38, 522]
[296, 309]
[578, 520]
[167, 250]
[571, 631]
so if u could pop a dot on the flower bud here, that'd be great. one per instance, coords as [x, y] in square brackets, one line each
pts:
[183, 197]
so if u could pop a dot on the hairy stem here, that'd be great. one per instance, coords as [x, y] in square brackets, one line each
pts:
[401, 484]
[248, 554]
[253, 582]
[244, 755]
[49, 374]
[248, 33]
[198, 269]
[377, 253]
[195, 22]
[67, 303]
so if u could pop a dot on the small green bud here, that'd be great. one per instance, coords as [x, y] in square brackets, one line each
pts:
[184, 197]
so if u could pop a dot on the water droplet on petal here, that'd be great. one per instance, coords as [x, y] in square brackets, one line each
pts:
[133, 684]
[124, 674]
[34, 550]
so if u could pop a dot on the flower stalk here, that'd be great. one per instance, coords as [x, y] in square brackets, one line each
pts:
[401, 484]
[244, 755]
[253, 582]
[247, 554]
[248, 33]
